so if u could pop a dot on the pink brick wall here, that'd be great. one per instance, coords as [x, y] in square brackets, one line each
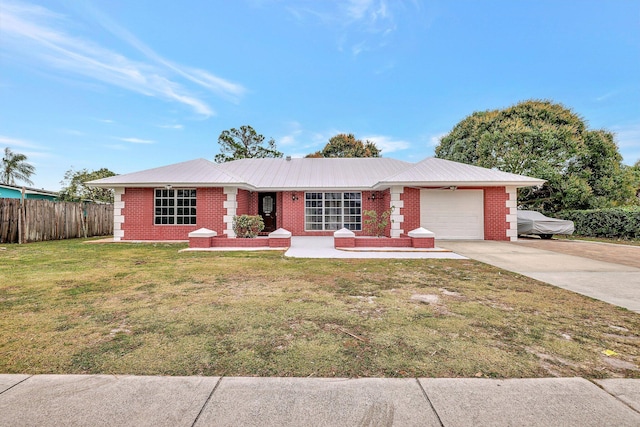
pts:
[411, 209]
[139, 212]
[244, 199]
[139, 215]
[495, 213]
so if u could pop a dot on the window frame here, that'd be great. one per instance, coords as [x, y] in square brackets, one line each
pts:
[172, 206]
[328, 211]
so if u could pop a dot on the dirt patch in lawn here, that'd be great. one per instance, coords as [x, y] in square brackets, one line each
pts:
[617, 254]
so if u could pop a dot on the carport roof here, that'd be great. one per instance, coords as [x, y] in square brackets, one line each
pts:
[314, 173]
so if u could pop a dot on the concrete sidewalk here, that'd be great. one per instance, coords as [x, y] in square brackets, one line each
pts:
[606, 281]
[105, 400]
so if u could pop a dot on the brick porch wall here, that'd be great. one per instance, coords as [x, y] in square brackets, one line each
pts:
[138, 213]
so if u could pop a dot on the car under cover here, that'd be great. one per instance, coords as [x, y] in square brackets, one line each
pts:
[531, 222]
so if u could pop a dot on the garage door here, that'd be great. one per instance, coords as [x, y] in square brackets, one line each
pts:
[457, 214]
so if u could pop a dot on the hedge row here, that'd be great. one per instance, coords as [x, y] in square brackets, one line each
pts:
[621, 223]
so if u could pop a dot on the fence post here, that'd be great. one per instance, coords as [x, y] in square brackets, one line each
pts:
[21, 217]
[83, 221]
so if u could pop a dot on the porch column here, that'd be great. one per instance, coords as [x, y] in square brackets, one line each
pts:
[231, 206]
[512, 216]
[397, 204]
[118, 217]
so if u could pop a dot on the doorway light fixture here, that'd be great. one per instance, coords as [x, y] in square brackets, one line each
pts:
[294, 196]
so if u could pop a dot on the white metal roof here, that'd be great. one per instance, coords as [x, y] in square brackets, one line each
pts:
[296, 174]
[312, 173]
[442, 172]
[199, 172]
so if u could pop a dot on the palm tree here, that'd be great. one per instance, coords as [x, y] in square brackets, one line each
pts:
[14, 166]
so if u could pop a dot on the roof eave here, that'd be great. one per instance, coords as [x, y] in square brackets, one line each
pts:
[519, 184]
[172, 184]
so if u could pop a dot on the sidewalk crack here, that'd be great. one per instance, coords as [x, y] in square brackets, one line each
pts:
[206, 402]
[16, 384]
[426, 396]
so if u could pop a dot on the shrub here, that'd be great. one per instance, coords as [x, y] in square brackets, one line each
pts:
[620, 223]
[375, 225]
[247, 226]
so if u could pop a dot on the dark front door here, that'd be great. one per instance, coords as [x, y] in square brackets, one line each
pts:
[267, 210]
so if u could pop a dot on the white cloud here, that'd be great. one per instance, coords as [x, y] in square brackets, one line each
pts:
[628, 139]
[32, 150]
[434, 140]
[175, 127]
[306, 141]
[37, 33]
[37, 154]
[6, 141]
[118, 147]
[386, 143]
[362, 25]
[136, 140]
[294, 132]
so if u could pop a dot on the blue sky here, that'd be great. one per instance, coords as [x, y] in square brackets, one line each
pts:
[130, 85]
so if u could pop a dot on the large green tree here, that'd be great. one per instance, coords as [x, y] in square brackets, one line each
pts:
[74, 188]
[244, 143]
[545, 140]
[346, 145]
[14, 166]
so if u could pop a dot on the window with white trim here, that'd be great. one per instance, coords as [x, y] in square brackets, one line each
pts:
[175, 207]
[333, 211]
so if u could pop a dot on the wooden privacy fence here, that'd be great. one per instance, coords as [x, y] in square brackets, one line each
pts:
[38, 220]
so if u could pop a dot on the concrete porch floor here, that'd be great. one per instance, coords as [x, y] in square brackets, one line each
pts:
[322, 247]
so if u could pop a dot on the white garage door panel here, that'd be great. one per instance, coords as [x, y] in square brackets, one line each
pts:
[455, 214]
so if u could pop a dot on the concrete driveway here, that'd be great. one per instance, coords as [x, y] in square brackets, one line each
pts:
[607, 281]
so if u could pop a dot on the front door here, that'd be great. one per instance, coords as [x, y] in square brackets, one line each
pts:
[267, 210]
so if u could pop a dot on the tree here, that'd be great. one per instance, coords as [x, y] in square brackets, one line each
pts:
[634, 171]
[244, 143]
[346, 145]
[15, 166]
[75, 190]
[545, 140]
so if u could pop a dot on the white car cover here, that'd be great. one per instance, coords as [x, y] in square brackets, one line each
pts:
[531, 222]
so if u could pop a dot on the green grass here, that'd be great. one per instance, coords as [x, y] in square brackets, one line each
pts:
[71, 307]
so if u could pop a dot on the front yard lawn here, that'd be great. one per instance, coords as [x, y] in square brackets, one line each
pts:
[70, 307]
